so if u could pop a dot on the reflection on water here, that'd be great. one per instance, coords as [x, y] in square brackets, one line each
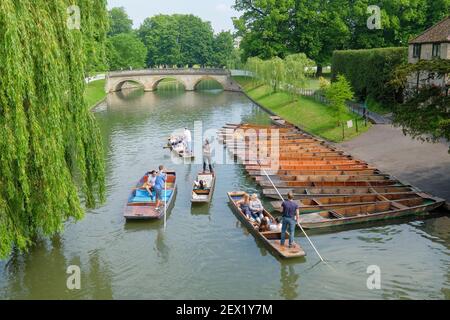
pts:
[204, 252]
[289, 282]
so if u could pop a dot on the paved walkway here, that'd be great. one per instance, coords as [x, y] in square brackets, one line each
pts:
[421, 164]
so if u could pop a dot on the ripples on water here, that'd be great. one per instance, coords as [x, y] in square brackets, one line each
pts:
[205, 253]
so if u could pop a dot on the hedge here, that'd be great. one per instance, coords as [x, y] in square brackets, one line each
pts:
[369, 71]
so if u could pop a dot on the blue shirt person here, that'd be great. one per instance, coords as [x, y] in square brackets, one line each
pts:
[160, 181]
[290, 218]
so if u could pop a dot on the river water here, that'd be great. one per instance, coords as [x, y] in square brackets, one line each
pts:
[204, 252]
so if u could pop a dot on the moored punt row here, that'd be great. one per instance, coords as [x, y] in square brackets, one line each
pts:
[321, 177]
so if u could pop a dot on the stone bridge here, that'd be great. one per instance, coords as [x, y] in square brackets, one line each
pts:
[150, 78]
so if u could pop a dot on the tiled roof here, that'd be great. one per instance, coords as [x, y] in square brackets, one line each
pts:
[440, 32]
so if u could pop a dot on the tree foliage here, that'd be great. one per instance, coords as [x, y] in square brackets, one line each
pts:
[279, 27]
[222, 49]
[338, 93]
[119, 22]
[94, 26]
[50, 143]
[370, 71]
[126, 51]
[184, 40]
[288, 74]
[426, 112]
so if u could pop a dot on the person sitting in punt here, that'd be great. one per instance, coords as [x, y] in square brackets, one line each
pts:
[264, 226]
[256, 208]
[175, 141]
[149, 182]
[200, 185]
[244, 205]
[275, 225]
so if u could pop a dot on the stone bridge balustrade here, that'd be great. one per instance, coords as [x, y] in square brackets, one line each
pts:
[149, 78]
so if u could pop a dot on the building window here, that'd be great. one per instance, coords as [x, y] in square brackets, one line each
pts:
[436, 50]
[416, 50]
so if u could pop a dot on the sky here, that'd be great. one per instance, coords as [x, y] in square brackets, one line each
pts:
[218, 12]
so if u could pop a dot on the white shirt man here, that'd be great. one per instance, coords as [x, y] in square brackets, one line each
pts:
[188, 139]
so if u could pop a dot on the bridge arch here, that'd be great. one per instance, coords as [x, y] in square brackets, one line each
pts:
[209, 78]
[119, 84]
[158, 81]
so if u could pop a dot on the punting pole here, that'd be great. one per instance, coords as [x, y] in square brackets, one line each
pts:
[298, 223]
[165, 203]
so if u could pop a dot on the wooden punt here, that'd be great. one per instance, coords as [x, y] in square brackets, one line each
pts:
[259, 174]
[281, 122]
[334, 178]
[305, 162]
[270, 239]
[267, 144]
[181, 154]
[371, 212]
[204, 195]
[246, 134]
[309, 154]
[249, 153]
[330, 203]
[320, 177]
[141, 206]
[313, 167]
[330, 184]
[300, 193]
[291, 155]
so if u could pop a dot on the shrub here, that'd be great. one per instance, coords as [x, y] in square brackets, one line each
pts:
[370, 70]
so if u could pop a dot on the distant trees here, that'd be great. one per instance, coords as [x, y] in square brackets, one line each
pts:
[160, 35]
[169, 40]
[184, 40]
[317, 28]
[126, 50]
[222, 50]
[119, 22]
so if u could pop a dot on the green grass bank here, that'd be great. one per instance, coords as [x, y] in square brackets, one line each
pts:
[314, 117]
[95, 92]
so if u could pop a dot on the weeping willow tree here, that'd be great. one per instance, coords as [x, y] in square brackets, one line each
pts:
[287, 74]
[51, 157]
[94, 27]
